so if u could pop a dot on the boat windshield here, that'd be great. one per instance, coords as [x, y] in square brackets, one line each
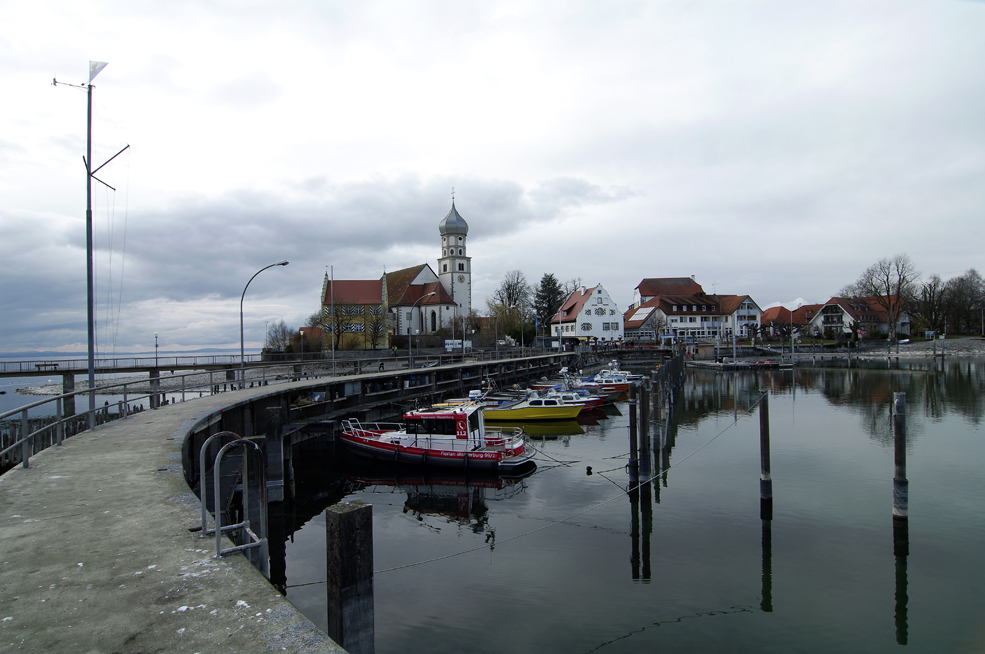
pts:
[431, 425]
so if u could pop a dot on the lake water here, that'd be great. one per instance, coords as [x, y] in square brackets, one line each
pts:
[564, 561]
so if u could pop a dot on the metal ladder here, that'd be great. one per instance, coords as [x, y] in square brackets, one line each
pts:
[255, 541]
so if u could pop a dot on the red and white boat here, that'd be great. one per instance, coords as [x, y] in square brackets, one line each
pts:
[447, 436]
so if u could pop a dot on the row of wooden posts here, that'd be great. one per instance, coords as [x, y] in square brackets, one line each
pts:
[661, 392]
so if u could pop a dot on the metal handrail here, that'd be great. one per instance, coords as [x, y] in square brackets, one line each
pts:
[213, 385]
[255, 540]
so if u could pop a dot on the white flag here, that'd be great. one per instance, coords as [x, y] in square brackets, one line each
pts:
[95, 67]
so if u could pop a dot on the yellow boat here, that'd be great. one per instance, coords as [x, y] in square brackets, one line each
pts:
[534, 408]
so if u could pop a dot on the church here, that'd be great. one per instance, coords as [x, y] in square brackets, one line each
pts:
[367, 314]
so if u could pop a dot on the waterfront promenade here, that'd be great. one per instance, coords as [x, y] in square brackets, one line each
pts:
[96, 554]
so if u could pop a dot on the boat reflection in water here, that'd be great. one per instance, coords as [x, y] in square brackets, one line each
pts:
[455, 496]
[541, 429]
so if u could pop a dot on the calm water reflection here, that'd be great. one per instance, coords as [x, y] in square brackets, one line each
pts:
[564, 561]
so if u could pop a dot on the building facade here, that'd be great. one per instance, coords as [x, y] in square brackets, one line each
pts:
[588, 314]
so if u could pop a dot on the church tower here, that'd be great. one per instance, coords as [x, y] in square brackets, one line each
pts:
[455, 266]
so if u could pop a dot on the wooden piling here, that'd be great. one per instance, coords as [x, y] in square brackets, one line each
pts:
[644, 431]
[349, 557]
[900, 484]
[901, 528]
[765, 481]
[634, 447]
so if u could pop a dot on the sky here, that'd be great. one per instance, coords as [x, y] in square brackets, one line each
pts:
[773, 148]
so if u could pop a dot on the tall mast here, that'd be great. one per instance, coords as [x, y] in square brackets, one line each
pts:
[90, 295]
[95, 67]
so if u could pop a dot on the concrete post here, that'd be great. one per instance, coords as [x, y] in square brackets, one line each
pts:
[155, 385]
[349, 556]
[68, 386]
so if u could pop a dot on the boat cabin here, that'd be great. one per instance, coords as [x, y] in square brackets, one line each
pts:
[460, 424]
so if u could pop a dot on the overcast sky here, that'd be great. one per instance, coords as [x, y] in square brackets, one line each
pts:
[774, 149]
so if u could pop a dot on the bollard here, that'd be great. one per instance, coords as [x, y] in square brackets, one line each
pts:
[349, 558]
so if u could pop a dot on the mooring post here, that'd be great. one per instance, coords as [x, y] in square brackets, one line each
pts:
[275, 454]
[634, 475]
[349, 557]
[765, 482]
[900, 483]
[644, 429]
[901, 528]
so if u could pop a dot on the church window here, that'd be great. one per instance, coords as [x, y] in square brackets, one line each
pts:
[444, 253]
[461, 267]
[444, 267]
[459, 251]
[459, 239]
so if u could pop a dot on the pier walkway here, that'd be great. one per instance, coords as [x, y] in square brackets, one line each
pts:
[96, 553]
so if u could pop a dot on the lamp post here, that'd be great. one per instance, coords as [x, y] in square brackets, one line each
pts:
[155, 349]
[242, 358]
[301, 340]
[496, 326]
[412, 329]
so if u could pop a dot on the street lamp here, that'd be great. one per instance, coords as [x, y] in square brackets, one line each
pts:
[155, 349]
[412, 329]
[496, 329]
[242, 358]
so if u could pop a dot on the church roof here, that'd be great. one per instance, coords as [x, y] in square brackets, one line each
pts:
[354, 291]
[453, 223]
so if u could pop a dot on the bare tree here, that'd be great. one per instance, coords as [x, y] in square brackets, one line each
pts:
[513, 290]
[963, 298]
[375, 325]
[889, 283]
[344, 319]
[279, 337]
[929, 306]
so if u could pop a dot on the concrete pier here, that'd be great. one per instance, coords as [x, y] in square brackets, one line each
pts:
[96, 553]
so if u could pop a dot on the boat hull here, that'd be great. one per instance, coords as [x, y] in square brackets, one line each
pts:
[496, 461]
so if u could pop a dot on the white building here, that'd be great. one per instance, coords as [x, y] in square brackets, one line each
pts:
[588, 314]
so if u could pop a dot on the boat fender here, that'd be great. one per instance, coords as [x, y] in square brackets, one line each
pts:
[588, 470]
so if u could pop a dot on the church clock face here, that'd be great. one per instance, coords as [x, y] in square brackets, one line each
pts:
[461, 278]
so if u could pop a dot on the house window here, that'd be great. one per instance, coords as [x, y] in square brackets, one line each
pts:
[586, 326]
[675, 307]
[684, 307]
[409, 314]
[600, 312]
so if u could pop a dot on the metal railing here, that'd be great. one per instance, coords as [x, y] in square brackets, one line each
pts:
[202, 382]
[254, 540]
